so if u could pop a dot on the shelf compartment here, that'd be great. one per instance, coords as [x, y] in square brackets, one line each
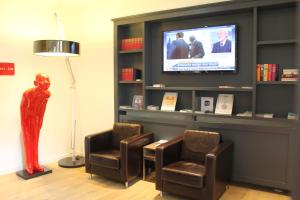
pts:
[277, 23]
[242, 101]
[282, 54]
[130, 60]
[278, 100]
[127, 92]
[184, 99]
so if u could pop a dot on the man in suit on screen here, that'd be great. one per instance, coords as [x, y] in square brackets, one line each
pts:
[224, 44]
[178, 49]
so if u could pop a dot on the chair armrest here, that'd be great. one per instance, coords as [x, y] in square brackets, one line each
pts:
[219, 168]
[140, 140]
[131, 150]
[165, 154]
[96, 142]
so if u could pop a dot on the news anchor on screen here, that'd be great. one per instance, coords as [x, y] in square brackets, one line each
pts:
[224, 44]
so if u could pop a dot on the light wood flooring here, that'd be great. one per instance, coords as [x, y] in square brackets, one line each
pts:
[75, 184]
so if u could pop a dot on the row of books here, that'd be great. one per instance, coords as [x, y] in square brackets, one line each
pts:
[267, 72]
[132, 43]
[130, 74]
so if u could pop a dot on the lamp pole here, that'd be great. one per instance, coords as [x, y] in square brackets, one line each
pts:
[64, 48]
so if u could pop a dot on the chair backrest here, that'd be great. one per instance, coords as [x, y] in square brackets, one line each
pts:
[122, 131]
[196, 144]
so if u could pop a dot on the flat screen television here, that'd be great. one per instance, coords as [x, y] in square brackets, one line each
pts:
[203, 49]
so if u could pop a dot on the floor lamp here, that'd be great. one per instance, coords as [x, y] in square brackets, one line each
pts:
[64, 48]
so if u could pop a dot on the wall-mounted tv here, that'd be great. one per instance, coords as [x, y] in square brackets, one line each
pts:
[200, 49]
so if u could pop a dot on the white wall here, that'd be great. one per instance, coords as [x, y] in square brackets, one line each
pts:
[86, 21]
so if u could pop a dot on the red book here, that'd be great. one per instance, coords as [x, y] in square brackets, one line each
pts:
[122, 74]
[269, 72]
[130, 44]
[273, 74]
[131, 74]
[134, 43]
[127, 74]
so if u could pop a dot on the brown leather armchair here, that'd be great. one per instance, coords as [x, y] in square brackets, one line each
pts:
[117, 153]
[195, 165]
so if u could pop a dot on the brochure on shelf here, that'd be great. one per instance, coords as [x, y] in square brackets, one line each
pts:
[138, 102]
[224, 104]
[169, 101]
[207, 104]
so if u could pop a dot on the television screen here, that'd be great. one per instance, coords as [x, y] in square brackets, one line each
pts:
[200, 49]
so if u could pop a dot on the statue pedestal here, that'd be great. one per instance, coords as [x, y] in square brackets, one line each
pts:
[24, 175]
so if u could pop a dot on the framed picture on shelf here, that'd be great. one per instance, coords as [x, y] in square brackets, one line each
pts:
[138, 102]
[169, 101]
[224, 104]
[207, 104]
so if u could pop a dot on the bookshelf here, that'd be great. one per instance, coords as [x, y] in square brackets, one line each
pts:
[276, 43]
[266, 34]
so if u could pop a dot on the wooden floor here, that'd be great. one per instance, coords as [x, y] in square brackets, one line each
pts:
[74, 184]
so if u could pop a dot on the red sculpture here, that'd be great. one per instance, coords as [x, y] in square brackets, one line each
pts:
[33, 107]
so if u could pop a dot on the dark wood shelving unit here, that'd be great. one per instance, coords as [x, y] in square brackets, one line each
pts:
[266, 34]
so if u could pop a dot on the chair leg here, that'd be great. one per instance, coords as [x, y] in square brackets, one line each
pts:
[126, 184]
[91, 176]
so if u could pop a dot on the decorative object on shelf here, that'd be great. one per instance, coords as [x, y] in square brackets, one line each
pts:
[169, 101]
[267, 72]
[265, 115]
[65, 49]
[131, 74]
[226, 86]
[290, 75]
[207, 104]
[159, 85]
[247, 87]
[224, 104]
[152, 107]
[186, 111]
[138, 102]
[33, 106]
[292, 115]
[245, 114]
[132, 44]
[7, 69]
[125, 107]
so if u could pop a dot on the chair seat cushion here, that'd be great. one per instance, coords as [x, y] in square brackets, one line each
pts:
[106, 158]
[184, 173]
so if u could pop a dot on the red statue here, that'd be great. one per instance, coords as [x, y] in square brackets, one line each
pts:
[33, 107]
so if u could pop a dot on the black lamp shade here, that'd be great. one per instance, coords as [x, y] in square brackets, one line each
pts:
[56, 48]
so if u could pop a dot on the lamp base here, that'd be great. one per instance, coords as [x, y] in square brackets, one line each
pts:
[68, 163]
